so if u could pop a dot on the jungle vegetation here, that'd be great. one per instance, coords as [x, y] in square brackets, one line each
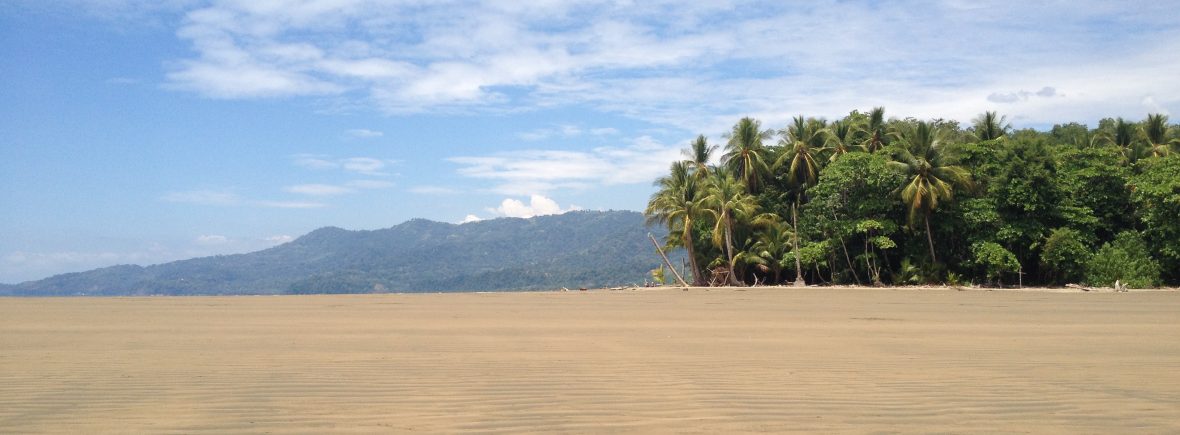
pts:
[874, 201]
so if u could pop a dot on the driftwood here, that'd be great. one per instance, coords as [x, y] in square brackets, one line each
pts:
[665, 257]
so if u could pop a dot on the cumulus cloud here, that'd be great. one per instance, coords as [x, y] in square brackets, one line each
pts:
[470, 218]
[538, 206]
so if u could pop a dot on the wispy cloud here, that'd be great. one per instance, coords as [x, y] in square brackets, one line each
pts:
[369, 166]
[433, 190]
[363, 133]
[685, 65]
[540, 171]
[229, 199]
[211, 239]
[317, 189]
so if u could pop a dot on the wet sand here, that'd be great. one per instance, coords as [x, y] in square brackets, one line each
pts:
[719, 361]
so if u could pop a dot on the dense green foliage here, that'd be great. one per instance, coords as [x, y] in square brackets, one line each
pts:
[576, 249]
[870, 200]
[1124, 259]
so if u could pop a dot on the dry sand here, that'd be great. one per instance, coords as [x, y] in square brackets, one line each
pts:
[720, 361]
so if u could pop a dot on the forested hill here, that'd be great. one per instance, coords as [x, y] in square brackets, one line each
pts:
[576, 249]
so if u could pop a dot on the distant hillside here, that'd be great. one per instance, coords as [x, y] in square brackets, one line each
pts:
[576, 249]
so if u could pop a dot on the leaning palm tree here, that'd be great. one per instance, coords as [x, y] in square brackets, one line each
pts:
[727, 202]
[678, 203]
[1155, 136]
[745, 153]
[877, 135]
[802, 162]
[990, 127]
[698, 155]
[930, 175]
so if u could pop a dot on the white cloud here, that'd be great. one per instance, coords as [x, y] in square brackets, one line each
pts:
[370, 166]
[363, 165]
[538, 206]
[470, 218]
[527, 172]
[278, 239]
[433, 190]
[369, 184]
[695, 66]
[317, 189]
[364, 133]
[211, 239]
[225, 199]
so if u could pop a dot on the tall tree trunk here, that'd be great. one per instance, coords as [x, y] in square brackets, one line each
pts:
[848, 259]
[799, 282]
[686, 238]
[930, 240]
[666, 261]
[729, 252]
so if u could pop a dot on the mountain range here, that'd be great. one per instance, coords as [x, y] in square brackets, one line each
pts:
[575, 249]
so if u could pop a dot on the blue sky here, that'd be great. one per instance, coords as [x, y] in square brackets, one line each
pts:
[149, 131]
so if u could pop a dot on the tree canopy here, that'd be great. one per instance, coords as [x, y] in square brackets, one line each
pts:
[868, 200]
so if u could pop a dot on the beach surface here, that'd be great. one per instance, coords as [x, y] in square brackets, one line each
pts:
[647, 361]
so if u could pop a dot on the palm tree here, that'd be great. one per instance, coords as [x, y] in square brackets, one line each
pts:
[1122, 137]
[727, 201]
[744, 153]
[771, 246]
[990, 127]
[877, 136]
[699, 153]
[1155, 134]
[840, 139]
[930, 176]
[802, 172]
[678, 203]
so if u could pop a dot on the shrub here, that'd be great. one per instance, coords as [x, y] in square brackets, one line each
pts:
[1125, 259]
[1065, 255]
[994, 260]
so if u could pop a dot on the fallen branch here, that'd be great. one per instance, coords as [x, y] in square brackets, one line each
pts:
[665, 257]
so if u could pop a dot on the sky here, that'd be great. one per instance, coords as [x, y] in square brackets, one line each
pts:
[141, 132]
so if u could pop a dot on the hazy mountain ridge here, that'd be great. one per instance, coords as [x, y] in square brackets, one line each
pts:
[575, 249]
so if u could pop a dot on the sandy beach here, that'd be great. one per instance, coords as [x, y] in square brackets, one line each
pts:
[717, 361]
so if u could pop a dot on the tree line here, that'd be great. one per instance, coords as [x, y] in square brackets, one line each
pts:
[874, 201]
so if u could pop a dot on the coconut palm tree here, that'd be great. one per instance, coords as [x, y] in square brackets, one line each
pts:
[840, 139]
[802, 162]
[698, 155]
[930, 175]
[1155, 136]
[1122, 136]
[772, 244]
[728, 202]
[745, 153]
[990, 127]
[678, 203]
[876, 131]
